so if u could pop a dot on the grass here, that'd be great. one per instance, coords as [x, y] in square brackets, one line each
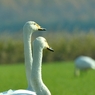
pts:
[58, 77]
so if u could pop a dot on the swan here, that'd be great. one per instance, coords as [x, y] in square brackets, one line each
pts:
[36, 78]
[28, 29]
[83, 63]
[18, 92]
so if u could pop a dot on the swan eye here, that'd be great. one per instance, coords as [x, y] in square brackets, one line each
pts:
[34, 23]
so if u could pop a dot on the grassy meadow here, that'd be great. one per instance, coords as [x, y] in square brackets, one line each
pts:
[58, 76]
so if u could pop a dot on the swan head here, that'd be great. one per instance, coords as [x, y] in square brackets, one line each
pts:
[32, 26]
[42, 42]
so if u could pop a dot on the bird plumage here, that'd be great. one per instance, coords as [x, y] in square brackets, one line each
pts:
[84, 63]
[28, 29]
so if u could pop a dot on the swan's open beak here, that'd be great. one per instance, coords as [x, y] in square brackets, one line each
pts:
[50, 49]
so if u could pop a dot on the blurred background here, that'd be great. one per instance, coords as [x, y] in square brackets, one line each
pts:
[70, 28]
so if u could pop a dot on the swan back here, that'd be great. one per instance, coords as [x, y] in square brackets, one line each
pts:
[23, 92]
[18, 92]
[84, 62]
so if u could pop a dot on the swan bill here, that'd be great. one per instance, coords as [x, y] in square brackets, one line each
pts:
[50, 49]
[42, 29]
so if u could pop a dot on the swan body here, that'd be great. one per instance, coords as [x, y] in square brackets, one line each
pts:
[28, 29]
[36, 78]
[18, 92]
[84, 63]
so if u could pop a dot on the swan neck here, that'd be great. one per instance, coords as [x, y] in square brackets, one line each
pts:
[37, 62]
[28, 56]
[36, 78]
[27, 47]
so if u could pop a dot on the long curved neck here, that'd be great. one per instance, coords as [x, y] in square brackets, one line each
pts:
[37, 62]
[28, 56]
[36, 77]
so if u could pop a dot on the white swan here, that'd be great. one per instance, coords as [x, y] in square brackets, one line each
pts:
[36, 78]
[18, 92]
[83, 63]
[28, 29]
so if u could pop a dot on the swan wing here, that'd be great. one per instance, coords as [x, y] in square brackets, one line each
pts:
[6, 92]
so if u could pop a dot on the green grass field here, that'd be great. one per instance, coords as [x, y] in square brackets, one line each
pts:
[58, 77]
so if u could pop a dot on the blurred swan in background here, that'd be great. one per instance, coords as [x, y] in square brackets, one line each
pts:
[83, 63]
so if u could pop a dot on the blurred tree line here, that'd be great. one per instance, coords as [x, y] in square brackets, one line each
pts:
[67, 47]
[52, 14]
